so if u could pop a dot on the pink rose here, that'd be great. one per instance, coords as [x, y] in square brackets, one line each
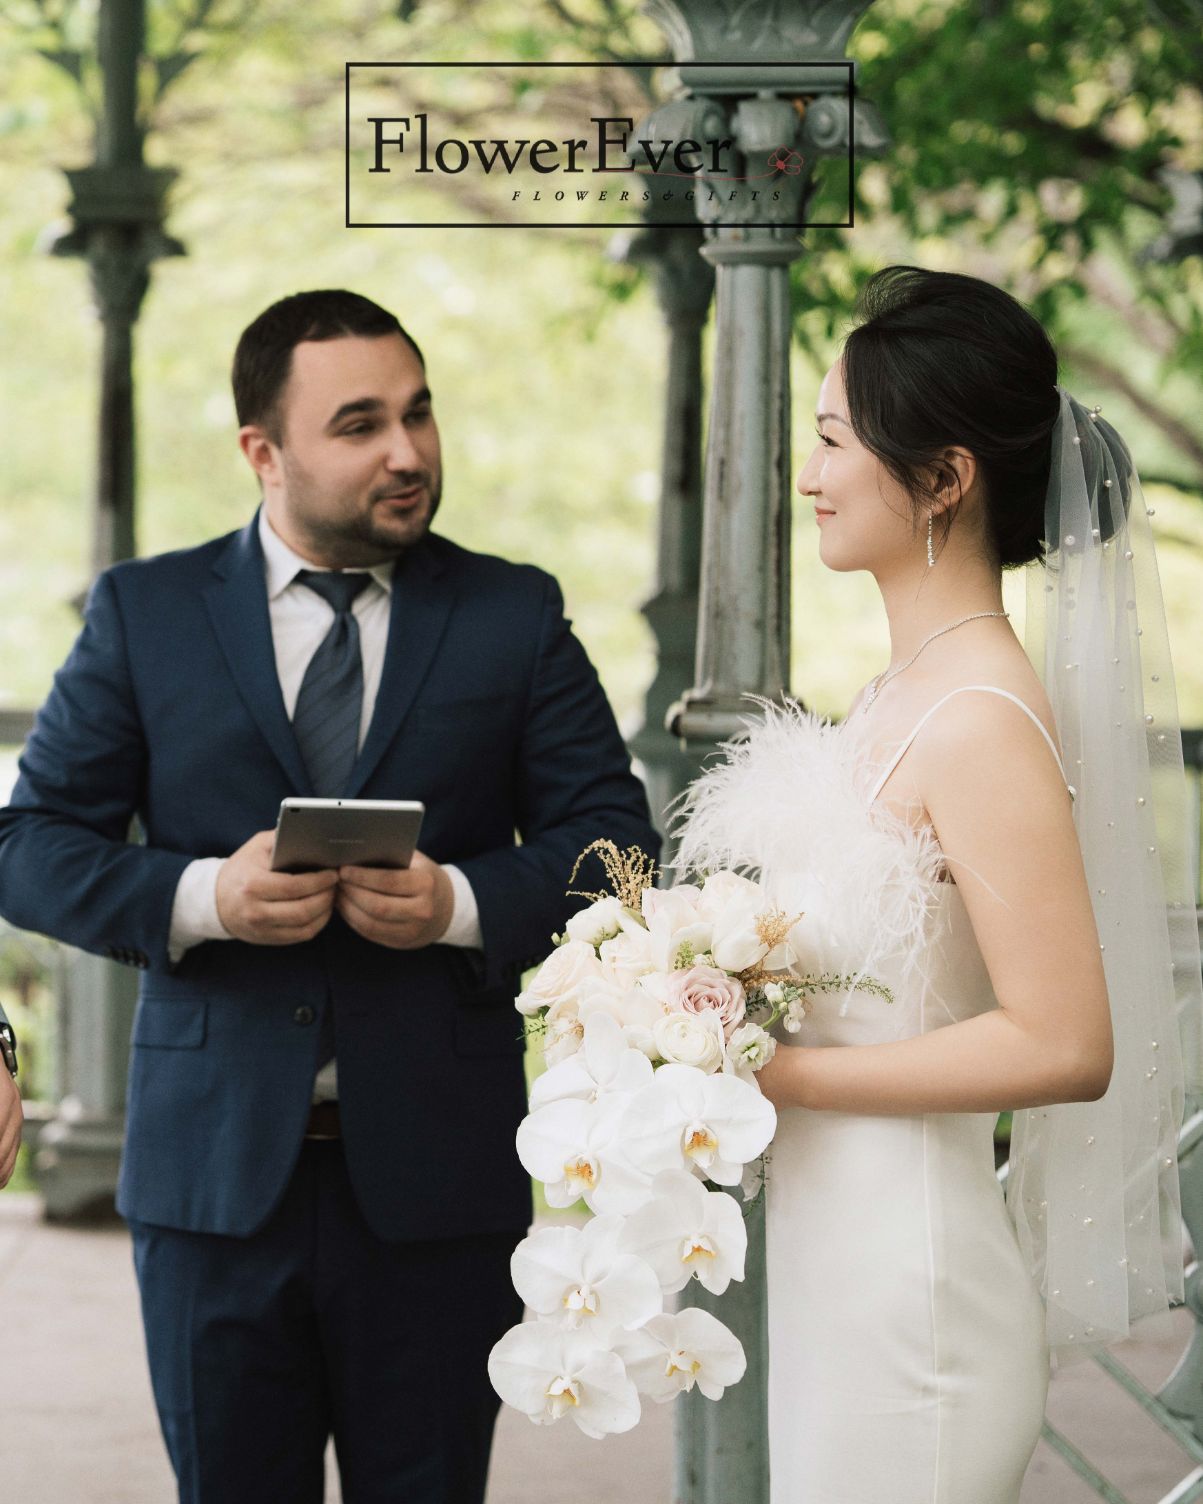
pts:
[703, 989]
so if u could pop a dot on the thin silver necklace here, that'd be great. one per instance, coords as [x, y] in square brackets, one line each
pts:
[887, 674]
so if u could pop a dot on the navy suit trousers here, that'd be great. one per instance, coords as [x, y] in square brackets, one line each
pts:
[313, 1326]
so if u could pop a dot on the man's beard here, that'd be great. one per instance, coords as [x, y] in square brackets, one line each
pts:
[360, 538]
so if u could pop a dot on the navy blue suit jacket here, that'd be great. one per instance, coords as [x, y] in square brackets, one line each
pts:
[168, 711]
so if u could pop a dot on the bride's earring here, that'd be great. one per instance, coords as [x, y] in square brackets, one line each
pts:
[931, 558]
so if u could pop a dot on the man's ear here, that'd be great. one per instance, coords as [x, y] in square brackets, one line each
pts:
[261, 451]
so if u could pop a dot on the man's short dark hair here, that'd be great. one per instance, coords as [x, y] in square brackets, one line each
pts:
[263, 358]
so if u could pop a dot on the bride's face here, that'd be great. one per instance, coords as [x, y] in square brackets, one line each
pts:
[864, 515]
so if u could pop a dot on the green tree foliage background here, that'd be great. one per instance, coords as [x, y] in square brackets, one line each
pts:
[1028, 145]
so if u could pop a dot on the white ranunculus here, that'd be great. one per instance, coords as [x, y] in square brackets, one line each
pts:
[548, 1372]
[560, 977]
[748, 1049]
[600, 921]
[686, 1232]
[579, 1150]
[694, 1039]
[711, 1124]
[604, 1063]
[674, 1352]
[583, 1277]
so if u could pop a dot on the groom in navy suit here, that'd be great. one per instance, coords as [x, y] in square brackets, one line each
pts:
[319, 1171]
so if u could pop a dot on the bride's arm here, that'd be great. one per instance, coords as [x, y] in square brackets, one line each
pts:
[1003, 817]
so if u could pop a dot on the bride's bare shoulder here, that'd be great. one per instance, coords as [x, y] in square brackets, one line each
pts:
[972, 726]
[966, 726]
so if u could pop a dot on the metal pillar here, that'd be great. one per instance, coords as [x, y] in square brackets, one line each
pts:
[117, 227]
[684, 288]
[763, 105]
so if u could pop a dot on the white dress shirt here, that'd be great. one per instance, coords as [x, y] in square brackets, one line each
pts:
[300, 619]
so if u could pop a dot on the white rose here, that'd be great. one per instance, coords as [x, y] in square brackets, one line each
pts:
[628, 955]
[674, 907]
[560, 977]
[598, 922]
[690, 1039]
[724, 890]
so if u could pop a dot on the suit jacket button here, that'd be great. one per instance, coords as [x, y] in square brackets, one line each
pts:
[303, 1015]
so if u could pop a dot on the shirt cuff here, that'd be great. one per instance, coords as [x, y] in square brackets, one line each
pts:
[194, 915]
[464, 929]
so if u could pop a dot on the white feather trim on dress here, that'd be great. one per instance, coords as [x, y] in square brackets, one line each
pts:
[788, 805]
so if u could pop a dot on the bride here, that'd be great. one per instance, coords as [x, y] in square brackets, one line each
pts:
[977, 835]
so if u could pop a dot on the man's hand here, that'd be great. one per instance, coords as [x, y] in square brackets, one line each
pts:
[402, 908]
[11, 1119]
[272, 908]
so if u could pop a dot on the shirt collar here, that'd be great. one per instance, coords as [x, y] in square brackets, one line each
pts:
[282, 562]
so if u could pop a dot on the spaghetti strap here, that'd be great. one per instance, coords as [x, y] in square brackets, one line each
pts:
[989, 689]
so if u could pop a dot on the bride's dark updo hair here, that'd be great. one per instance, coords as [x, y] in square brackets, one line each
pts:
[939, 360]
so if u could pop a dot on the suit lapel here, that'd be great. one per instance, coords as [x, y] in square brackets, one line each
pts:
[422, 597]
[237, 605]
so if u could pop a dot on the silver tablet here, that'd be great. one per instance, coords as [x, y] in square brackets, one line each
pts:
[313, 833]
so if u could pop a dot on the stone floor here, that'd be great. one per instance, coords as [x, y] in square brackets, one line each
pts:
[77, 1425]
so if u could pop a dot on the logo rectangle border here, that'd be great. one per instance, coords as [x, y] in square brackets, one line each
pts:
[846, 63]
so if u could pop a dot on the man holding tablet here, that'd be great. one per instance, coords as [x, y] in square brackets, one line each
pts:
[319, 1172]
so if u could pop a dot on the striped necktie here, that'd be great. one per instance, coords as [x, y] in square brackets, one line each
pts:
[330, 701]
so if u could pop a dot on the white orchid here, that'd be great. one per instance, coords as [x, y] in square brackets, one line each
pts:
[548, 1372]
[578, 1149]
[582, 1277]
[711, 1124]
[675, 1351]
[600, 921]
[604, 1064]
[559, 978]
[686, 1232]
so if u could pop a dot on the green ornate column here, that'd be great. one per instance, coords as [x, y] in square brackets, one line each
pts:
[739, 81]
[116, 216]
[684, 285]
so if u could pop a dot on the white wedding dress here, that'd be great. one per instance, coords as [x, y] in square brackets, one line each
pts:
[907, 1355]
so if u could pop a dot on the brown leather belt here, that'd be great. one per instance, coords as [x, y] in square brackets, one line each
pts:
[323, 1121]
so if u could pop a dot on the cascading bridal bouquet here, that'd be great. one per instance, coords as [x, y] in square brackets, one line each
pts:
[655, 1011]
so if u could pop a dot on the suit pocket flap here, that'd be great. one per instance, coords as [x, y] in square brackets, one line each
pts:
[171, 1023]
